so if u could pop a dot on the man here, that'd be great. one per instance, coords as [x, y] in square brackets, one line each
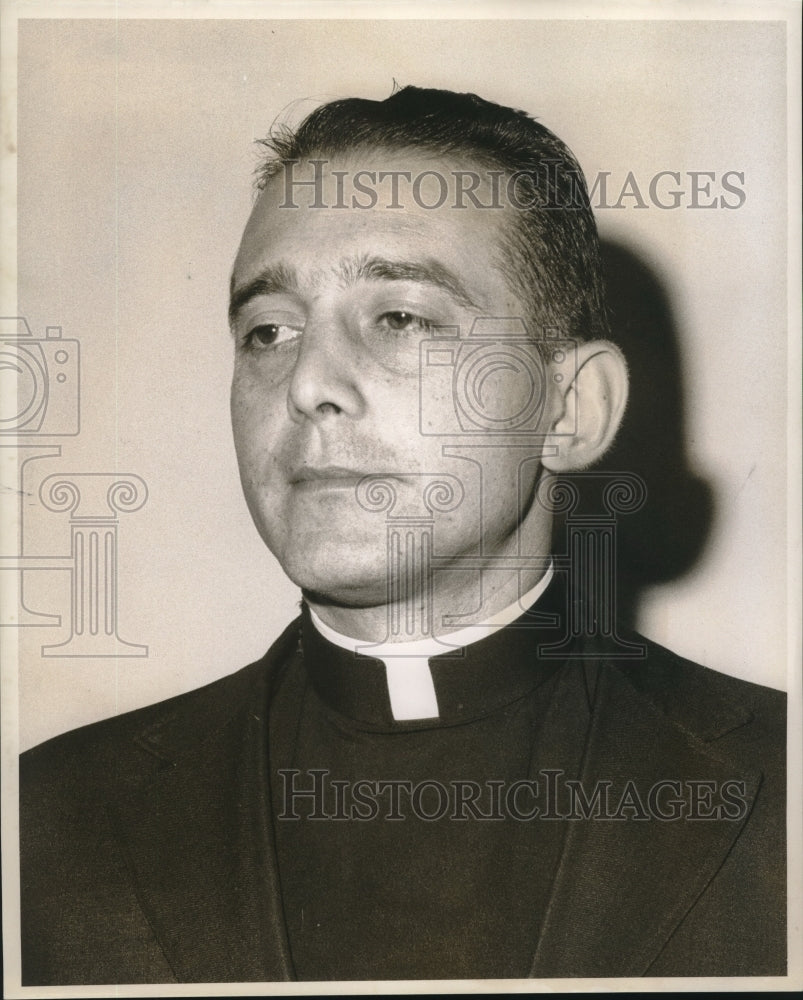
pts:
[454, 764]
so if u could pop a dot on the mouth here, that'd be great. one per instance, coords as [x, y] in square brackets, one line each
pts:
[310, 478]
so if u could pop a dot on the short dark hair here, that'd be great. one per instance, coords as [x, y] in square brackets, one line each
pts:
[551, 252]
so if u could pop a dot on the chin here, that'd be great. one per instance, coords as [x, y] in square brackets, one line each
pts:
[343, 581]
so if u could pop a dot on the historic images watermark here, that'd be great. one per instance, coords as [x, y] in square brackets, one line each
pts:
[521, 190]
[316, 795]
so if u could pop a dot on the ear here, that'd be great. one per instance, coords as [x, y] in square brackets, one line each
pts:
[588, 410]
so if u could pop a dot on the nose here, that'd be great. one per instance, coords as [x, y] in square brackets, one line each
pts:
[325, 377]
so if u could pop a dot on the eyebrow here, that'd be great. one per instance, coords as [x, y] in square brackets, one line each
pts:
[280, 278]
[271, 280]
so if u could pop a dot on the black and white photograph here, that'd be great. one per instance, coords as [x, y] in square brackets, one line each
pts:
[401, 449]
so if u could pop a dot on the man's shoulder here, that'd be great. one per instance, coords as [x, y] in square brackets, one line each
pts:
[711, 705]
[113, 749]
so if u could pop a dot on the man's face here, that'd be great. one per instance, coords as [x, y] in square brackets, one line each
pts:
[332, 309]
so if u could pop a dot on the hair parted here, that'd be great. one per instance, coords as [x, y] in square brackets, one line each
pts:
[550, 252]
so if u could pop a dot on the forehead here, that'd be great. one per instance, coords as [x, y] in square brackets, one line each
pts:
[312, 214]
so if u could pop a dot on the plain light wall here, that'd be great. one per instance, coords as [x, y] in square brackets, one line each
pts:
[135, 169]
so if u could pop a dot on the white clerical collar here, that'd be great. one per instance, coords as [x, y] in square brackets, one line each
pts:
[410, 685]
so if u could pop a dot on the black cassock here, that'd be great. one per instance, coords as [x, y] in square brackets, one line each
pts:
[153, 847]
[434, 869]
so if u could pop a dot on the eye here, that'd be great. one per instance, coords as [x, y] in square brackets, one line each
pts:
[270, 335]
[401, 321]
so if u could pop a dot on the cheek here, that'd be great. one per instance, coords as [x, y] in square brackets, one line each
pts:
[242, 432]
[254, 408]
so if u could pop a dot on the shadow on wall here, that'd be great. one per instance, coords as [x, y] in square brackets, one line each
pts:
[662, 541]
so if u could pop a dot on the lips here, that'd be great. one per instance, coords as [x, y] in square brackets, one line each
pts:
[313, 479]
[326, 474]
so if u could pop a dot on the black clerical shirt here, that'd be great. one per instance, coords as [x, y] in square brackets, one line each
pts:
[404, 851]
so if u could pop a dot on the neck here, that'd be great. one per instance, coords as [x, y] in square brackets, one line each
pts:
[456, 598]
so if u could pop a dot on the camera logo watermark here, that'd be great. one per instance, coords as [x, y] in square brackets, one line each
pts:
[498, 379]
[40, 381]
[41, 400]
